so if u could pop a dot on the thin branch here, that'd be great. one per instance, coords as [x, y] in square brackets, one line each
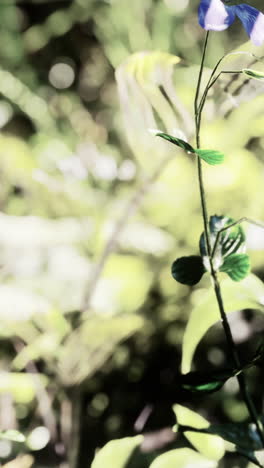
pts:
[43, 398]
[112, 242]
[76, 417]
[213, 79]
[198, 87]
[198, 114]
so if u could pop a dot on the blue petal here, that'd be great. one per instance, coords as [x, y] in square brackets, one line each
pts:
[253, 22]
[214, 15]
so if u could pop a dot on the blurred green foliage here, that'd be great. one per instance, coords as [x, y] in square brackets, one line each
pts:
[95, 208]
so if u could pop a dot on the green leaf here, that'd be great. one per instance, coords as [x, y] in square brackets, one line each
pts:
[242, 435]
[248, 293]
[21, 386]
[210, 445]
[13, 435]
[205, 387]
[177, 141]
[142, 66]
[196, 428]
[96, 336]
[249, 455]
[212, 157]
[208, 382]
[237, 266]
[187, 417]
[116, 453]
[188, 270]
[181, 458]
[257, 75]
[205, 382]
[230, 241]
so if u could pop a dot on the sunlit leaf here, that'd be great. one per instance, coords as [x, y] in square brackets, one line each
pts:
[178, 142]
[243, 437]
[187, 417]
[45, 345]
[142, 80]
[116, 453]
[17, 161]
[188, 270]
[143, 64]
[212, 157]
[13, 435]
[19, 304]
[182, 458]
[123, 285]
[257, 75]
[237, 266]
[55, 321]
[21, 386]
[22, 461]
[248, 293]
[209, 445]
[96, 339]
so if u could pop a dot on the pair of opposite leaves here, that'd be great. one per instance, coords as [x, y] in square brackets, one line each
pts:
[229, 256]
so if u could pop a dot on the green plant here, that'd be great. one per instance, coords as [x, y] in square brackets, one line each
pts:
[222, 250]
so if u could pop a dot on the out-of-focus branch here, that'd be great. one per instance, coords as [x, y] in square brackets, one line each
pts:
[43, 398]
[131, 207]
[74, 446]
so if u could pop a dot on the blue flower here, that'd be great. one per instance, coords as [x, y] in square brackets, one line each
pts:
[216, 15]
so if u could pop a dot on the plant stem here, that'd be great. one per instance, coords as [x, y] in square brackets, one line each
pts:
[198, 114]
[217, 289]
[74, 446]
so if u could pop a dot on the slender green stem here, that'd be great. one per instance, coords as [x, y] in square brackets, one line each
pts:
[198, 107]
[211, 83]
[197, 113]
[199, 82]
[213, 79]
[204, 207]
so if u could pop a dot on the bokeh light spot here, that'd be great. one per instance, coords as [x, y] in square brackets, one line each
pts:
[61, 75]
[5, 448]
[38, 438]
[6, 113]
